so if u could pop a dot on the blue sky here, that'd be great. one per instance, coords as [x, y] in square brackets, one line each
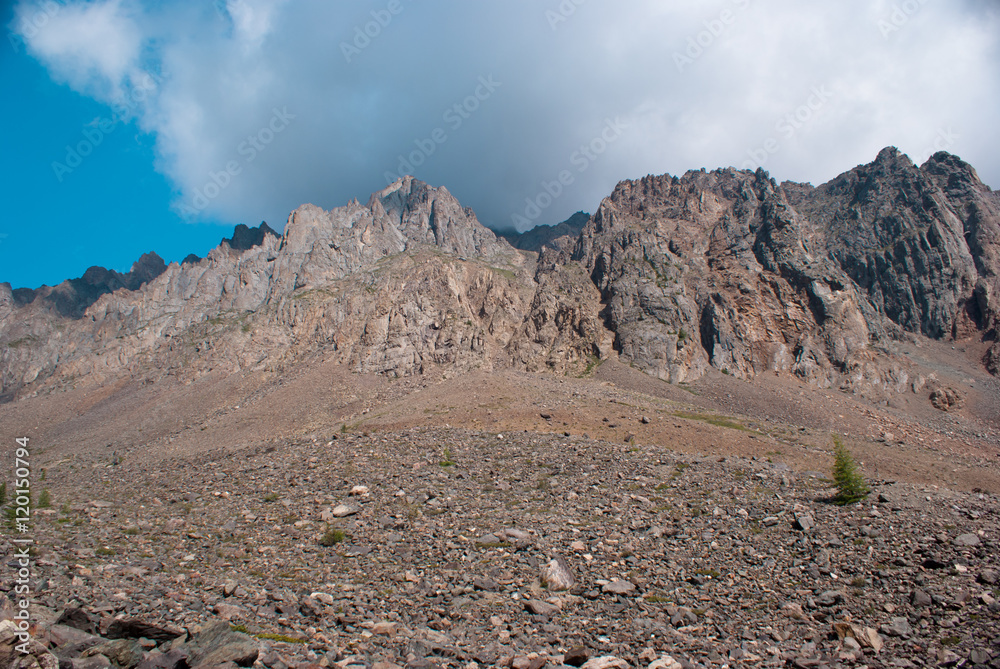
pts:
[196, 115]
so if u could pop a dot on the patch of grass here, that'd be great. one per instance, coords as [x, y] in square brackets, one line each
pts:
[104, 550]
[951, 641]
[714, 573]
[3, 493]
[272, 497]
[316, 292]
[711, 419]
[593, 362]
[859, 582]
[27, 340]
[284, 638]
[447, 461]
[494, 544]
[45, 499]
[657, 599]
[332, 537]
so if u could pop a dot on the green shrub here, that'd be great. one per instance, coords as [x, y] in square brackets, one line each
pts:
[332, 537]
[851, 486]
[3, 493]
[45, 499]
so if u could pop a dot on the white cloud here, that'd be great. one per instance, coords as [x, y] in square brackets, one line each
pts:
[94, 47]
[223, 73]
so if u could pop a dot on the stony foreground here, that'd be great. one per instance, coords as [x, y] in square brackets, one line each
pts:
[443, 547]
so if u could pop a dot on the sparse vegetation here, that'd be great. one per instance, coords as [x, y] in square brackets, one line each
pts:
[283, 638]
[272, 497]
[27, 340]
[332, 537]
[447, 461]
[657, 599]
[718, 421]
[45, 499]
[851, 486]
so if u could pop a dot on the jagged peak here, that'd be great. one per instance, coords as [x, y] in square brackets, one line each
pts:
[245, 237]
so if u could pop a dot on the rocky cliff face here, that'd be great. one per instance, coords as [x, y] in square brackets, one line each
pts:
[725, 268]
[729, 268]
[407, 282]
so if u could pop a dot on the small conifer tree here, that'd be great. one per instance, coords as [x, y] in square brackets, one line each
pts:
[851, 486]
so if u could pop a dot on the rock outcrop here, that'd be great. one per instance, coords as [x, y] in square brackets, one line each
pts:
[724, 269]
[730, 269]
[409, 281]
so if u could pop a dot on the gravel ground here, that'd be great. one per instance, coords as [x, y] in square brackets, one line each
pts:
[451, 547]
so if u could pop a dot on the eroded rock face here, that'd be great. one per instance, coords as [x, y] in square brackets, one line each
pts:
[730, 269]
[725, 268]
[405, 283]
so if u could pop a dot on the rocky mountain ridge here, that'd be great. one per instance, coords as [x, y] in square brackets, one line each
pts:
[673, 274]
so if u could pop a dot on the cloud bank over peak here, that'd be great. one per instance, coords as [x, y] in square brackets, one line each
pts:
[258, 106]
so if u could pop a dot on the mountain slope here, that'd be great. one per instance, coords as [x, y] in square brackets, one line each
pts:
[407, 282]
[724, 269]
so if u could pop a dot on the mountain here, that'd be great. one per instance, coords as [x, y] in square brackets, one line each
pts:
[558, 235]
[725, 269]
[730, 269]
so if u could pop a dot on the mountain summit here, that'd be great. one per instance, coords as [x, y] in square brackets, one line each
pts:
[724, 269]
